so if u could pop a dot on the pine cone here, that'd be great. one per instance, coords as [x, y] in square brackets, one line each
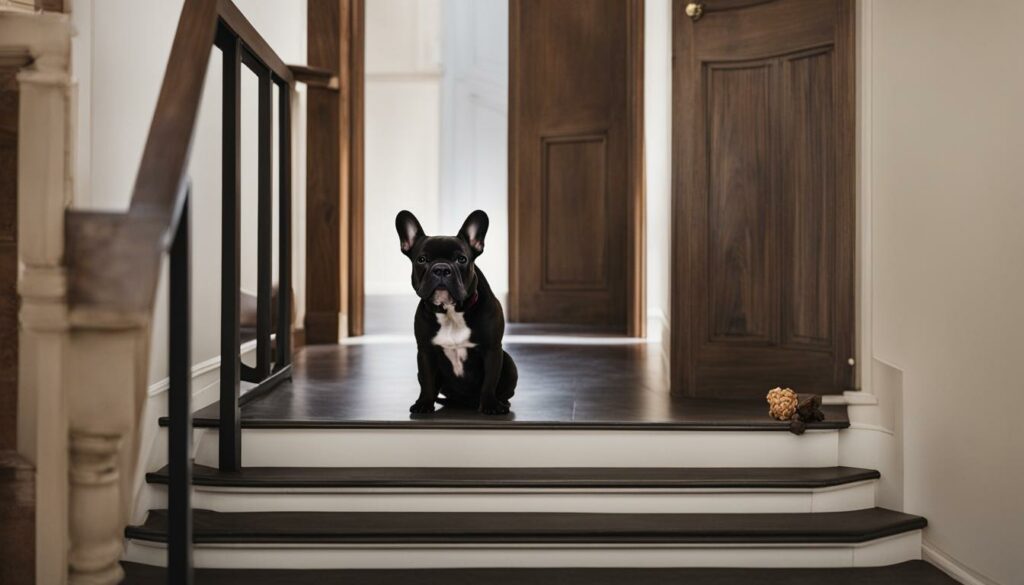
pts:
[782, 403]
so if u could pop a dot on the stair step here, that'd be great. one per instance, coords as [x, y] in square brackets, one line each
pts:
[283, 410]
[501, 527]
[524, 447]
[907, 573]
[405, 540]
[525, 477]
[509, 489]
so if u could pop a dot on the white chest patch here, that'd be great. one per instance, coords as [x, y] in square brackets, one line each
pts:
[453, 338]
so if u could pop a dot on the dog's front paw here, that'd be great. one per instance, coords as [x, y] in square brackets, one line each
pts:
[422, 407]
[494, 408]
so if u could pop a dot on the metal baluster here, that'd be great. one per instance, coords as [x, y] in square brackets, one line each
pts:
[284, 277]
[265, 225]
[230, 340]
[179, 399]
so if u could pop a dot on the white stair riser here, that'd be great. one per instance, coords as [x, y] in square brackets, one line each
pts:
[856, 496]
[884, 551]
[526, 448]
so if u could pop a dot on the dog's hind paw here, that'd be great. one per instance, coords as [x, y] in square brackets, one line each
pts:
[422, 407]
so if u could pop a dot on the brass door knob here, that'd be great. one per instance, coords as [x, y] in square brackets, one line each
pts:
[695, 10]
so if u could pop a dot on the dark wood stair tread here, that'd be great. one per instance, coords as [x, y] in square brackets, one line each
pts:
[907, 573]
[505, 477]
[507, 527]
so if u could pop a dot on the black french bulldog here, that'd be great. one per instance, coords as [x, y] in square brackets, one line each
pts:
[459, 324]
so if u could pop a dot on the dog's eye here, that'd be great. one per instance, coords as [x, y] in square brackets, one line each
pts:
[462, 259]
[421, 259]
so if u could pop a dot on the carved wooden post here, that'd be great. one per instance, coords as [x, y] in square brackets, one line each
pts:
[42, 41]
[96, 537]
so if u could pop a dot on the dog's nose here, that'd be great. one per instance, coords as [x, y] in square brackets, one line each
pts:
[442, 270]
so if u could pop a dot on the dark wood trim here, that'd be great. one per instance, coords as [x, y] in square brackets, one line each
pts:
[636, 298]
[357, 169]
[233, 18]
[514, 123]
[315, 76]
[636, 258]
[334, 163]
[324, 207]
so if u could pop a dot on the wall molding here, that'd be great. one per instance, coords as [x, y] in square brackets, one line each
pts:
[200, 371]
[864, 291]
[953, 567]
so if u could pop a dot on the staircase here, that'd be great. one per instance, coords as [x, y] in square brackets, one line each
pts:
[373, 497]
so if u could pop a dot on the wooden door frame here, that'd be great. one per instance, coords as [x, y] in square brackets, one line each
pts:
[636, 298]
[334, 167]
[850, 193]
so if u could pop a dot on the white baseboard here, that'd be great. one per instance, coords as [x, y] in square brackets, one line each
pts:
[203, 373]
[659, 331]
[952, 567]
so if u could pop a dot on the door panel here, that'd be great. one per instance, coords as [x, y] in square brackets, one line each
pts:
[574, 161]
[574, 194]
[764, 201]
[739, 263]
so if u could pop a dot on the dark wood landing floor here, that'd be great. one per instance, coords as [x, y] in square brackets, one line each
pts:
[582, 382]
[908, 573]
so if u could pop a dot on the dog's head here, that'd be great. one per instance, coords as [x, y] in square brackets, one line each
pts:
[443, 268]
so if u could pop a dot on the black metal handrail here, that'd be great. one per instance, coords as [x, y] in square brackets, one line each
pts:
[240, 45]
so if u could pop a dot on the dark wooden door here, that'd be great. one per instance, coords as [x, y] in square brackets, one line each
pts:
[763, 230]
[575, 188]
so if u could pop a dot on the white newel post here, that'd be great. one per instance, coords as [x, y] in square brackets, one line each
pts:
[78, 384]
[42, 43]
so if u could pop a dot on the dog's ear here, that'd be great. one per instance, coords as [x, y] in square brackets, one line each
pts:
[409, 230]
[473, 231]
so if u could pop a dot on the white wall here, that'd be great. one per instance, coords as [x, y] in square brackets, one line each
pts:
[474, 125]
[436, 128]
[658, 163]
[403, 129]
[119, 60]
[947, 265]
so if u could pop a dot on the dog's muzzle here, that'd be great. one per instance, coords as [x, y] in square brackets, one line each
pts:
[442, 275]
